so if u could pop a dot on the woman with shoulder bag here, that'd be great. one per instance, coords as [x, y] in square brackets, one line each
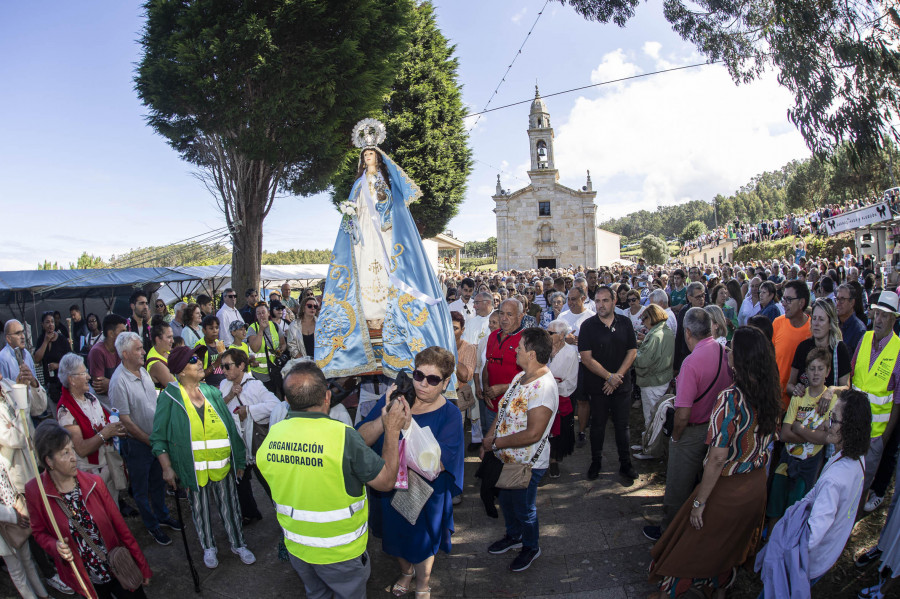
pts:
[518, 438]
[95, 537]
[267, 346]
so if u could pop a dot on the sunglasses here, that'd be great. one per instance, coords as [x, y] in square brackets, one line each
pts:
[194, 360]
[313, 306]
[227, 366]
[160, 305]
[433, 379]
[231, 295]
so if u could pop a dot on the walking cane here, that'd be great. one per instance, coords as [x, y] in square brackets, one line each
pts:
[187, 552]
[46, 502]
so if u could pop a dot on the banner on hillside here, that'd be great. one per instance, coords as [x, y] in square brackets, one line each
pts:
[858, 218]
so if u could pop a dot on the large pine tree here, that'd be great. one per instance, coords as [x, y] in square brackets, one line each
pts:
[423, 114]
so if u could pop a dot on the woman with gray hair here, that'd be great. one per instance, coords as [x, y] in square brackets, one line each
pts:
[81, 414]
[556, 303]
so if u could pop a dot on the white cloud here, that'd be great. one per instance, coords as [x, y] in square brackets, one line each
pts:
[517, 18]
[614, 66]
[652, 49]
[675, 137]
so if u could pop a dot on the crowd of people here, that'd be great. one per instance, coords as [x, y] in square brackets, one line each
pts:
[764, 390]
[790, 225]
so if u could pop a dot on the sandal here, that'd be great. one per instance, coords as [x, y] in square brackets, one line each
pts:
[426, 594]
[399, 590]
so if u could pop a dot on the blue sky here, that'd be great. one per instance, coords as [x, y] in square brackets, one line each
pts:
[82, 171]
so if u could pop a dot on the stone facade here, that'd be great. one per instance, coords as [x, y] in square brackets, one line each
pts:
[547, 224]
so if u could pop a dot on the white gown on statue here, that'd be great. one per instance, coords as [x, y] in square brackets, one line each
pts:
[374, 284]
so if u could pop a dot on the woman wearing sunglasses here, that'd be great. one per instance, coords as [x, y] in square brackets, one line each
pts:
[301, 334]
[200, 448]
[415, 546]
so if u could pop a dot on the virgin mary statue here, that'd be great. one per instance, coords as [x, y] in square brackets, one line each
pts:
[382, 303]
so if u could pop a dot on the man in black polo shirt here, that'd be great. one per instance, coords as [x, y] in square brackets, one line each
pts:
[607, 346]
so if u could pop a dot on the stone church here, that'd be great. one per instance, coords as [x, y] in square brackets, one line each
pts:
[547, 224]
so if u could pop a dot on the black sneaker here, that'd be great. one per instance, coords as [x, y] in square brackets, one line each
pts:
[524, 559]
[580, 441]
[180, 493]
[593, 471]
[554, 470]
[653, 532]
[171, 523]
[872, 555]
[159, 536]
[629, 472]
[504, 545]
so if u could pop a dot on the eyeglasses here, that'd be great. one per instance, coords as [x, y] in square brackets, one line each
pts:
[313, 306]
[227, 365]
[433, 379]
[844, 299]
[632, 300]
[788, 300]
[194, 360]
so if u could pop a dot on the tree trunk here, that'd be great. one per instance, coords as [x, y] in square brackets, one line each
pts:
[246, 256]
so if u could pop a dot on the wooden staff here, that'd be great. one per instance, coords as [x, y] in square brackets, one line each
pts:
[40, 484]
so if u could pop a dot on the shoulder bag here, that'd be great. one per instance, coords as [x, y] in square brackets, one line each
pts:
[15, 535]
[119, 559]
[515, 476]
[669, 426]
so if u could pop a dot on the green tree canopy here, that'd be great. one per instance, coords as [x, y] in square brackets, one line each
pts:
[654, 250]
[262, 95]
[839, 58]
[693, 229]
[426, 136]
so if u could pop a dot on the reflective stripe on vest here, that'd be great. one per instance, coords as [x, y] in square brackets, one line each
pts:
[210, 445]
[302, 461]
[311, 516]
[874, 381]
[326, 542]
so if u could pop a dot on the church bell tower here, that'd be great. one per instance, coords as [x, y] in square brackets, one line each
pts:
[540, 135]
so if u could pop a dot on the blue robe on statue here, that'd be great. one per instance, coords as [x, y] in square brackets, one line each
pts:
[416, 314]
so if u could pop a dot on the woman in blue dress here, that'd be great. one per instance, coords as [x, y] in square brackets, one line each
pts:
[415, 546]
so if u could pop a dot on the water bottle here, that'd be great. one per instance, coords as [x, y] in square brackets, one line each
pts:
[113, 418]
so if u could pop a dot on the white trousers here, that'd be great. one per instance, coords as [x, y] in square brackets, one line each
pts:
[650, 396]
[24, 573]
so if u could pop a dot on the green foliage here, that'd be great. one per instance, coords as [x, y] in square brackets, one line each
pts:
[840, 59]
[481, 249]
[297, 257]
[480, 264]
[693, 229]
[654, 250]
[426, 136]
[86, 260]
[816, 246]
[47, 265]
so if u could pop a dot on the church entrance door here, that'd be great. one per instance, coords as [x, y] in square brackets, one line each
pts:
[546, 262]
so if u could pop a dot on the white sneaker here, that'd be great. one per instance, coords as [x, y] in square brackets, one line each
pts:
[209, 558]
[873, 502]
[245, 555]
[637, 448]
[59, 585]
[644, 456]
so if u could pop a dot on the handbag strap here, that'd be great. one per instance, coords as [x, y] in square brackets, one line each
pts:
[715, 378]
[81, 531]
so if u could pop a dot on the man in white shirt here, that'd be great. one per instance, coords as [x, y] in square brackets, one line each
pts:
[228, 314]
[750, 306]
[576, 314]
[659, 297]
[583, 285]
[465, 305]
[477, 326]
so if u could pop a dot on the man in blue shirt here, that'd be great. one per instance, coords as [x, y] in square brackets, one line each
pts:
[9, 363]
[852, 328]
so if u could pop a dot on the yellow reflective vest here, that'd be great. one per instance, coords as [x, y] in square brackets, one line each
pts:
[874, 381]
[209, 442]
[155, 356]
[302, 460]
[263, 367]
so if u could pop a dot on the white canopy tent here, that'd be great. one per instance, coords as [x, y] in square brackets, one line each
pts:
[212, 280]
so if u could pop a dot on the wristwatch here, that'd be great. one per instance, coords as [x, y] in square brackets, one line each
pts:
[698, 504]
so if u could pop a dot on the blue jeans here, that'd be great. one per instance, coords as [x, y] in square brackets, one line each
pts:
[487, 417]
[520, 511]
[147, 484]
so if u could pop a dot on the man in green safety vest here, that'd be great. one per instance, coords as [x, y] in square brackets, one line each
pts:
[875, 373]
[317, 469]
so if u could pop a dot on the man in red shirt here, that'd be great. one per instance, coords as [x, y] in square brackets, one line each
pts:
[103, 359]
[500, 366]
[789, 331]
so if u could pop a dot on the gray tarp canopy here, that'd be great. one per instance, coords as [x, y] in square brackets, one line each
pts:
[212, 280]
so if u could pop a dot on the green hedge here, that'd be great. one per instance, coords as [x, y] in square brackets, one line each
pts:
[816, 246]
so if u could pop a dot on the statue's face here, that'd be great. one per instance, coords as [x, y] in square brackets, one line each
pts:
[370, 157]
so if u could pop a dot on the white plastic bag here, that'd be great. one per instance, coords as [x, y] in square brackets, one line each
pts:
[423, 454]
